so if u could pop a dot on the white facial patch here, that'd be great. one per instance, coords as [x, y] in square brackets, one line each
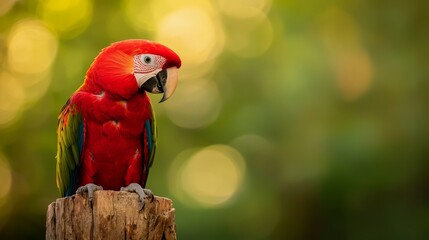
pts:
[147, 66]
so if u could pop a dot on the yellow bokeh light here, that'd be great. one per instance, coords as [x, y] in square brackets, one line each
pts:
[5, 177]
[194, 34]
[196, 104]
[31, 51]
[31, 48]
[244, 8]
[193, 29]
[68, 17]
[211, 176]
[12, 98]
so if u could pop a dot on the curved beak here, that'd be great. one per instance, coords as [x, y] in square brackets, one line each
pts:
[165, 81]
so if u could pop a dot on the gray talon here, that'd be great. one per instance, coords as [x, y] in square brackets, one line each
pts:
[90, 188]
[142, 192]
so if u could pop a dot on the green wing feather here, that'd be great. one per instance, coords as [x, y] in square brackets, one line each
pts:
[69, 148]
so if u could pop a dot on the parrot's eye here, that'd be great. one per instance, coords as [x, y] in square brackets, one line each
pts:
[147, 59]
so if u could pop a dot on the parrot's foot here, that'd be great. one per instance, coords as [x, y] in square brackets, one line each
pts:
[142, 192]
[90, 188]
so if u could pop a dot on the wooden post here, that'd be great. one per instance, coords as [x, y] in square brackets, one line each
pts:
[115, 215]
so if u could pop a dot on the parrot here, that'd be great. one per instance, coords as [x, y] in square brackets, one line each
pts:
[106, 132]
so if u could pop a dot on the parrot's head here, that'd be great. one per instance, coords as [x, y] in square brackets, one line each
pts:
[127, 67]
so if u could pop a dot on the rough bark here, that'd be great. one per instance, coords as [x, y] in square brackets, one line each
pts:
[114, 215]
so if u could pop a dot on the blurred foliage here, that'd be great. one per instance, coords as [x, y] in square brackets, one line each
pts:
[292, 120]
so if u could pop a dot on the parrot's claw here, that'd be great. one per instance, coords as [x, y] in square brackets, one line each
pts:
[142, 192]
[90, 188]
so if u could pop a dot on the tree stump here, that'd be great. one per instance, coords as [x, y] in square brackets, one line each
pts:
[114, 215]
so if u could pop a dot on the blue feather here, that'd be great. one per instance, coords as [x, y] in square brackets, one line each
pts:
[73, 177]
[149, 135]
[80, 138]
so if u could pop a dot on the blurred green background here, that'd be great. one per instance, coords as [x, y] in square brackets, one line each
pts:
[292, 119]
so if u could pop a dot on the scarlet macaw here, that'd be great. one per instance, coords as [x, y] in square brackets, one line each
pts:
[106, 130]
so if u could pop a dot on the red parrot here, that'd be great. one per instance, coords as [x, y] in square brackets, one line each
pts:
[106, 130]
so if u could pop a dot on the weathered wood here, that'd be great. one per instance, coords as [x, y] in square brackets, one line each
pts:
[115, 215]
